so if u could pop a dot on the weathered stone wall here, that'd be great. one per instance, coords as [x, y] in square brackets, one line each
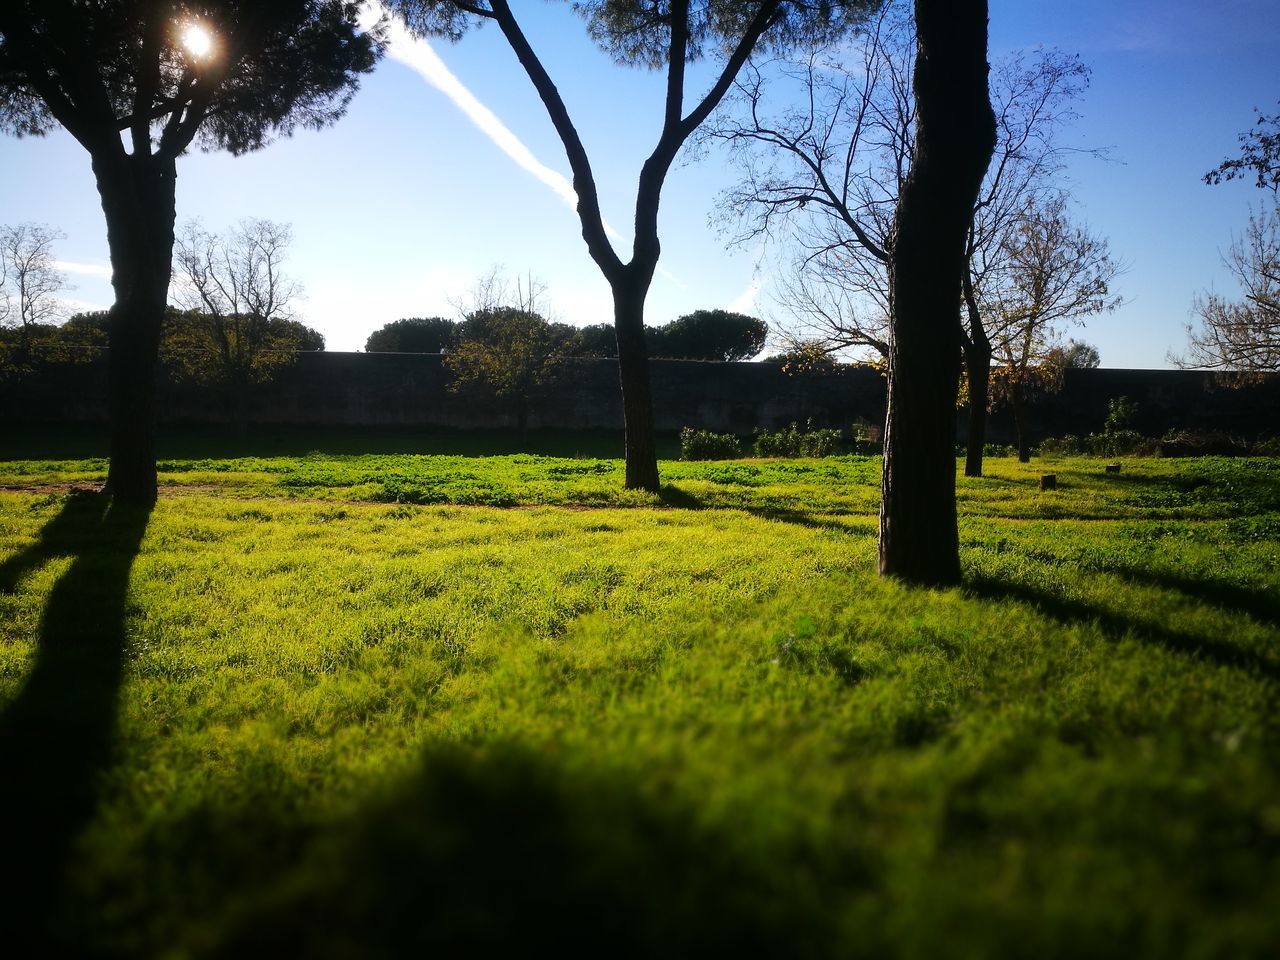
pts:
[372, 389]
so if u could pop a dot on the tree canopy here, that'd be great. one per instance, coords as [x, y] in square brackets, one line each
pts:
[412, 335]
[710, 335]
[271, 66]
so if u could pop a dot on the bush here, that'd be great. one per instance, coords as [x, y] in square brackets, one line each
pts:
[794, 442]
[705, 445]
[999, 450]
[1068, 446]
[1267, 448]
[1200, 443]
[1120, 414]
[866, 439]
[1116, 443]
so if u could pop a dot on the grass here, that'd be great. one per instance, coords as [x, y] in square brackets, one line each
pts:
[347, 705]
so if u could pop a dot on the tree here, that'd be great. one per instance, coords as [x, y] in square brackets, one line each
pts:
[669, 36]
[166, 74]
[30, 280]
[710, 335]
[596, 340]
[955, 139]
[237, 328]
[825, 178]
[1053, 273]
[1243, 336]
[513, 353]
[1076, 355]
[412, 335]
[1259, 156]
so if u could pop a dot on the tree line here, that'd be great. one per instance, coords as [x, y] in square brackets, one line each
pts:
[715, 335]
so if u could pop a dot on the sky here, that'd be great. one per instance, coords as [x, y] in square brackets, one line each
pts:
[446, 166]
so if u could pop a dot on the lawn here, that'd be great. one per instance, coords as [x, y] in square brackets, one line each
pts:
[344, 705]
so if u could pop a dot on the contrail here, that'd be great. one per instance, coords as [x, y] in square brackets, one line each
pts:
[418, 55]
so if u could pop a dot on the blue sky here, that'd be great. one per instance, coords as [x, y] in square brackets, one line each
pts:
[408, 199]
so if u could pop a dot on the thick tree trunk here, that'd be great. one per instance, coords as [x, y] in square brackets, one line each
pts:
[137, 196]
[637, 396]
[919, 542]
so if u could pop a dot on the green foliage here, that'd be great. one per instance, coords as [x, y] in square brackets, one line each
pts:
[705, 445]
[276, 65]
[413, 335]
[709, 335]
[791, 441]
[595, 340]
[1120, 414]
[510, 353]
[352, 727]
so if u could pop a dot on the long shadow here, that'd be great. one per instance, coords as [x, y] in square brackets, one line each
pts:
[58, 733]
[1258, 605]
[673, 496]
[1068, 611]
[506, 851]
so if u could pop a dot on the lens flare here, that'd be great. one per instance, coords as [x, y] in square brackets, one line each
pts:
[197, 40]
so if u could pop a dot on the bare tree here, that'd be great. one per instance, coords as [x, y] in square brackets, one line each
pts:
[497, 291]
[239, 304]
[1242, 335]
[30, 280]
[1052, 274]
[825, 178]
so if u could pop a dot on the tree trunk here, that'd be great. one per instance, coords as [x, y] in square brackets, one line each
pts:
[522, 425]
[637, 396]
[919, 542]
[1019, 408]
[137, 196]
[977, 359]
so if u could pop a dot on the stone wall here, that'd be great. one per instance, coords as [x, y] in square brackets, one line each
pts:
[386, 389]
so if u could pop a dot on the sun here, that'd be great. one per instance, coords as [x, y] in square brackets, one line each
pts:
[197, 40]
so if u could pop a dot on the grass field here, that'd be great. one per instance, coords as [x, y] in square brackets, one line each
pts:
[368, 705]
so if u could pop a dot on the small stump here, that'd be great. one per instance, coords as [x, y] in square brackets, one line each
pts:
[1049, 481]
[1112, 468]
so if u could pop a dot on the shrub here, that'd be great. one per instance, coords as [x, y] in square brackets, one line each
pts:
[794, 442]
[705, 445]
[999, 450]
[866, 439]
[1068, 446]
[1115, 443]
[1120, 414]
[1269, 447]
[1200, 443]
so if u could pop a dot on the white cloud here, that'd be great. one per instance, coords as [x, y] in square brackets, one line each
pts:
[99, 270]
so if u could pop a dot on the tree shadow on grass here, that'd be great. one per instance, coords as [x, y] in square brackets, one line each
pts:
[1259, 605]
[1115, 626]
[57, 734]
[503, 850]
[673, 496]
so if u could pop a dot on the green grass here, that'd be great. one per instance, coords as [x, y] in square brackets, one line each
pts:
[366, 705]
